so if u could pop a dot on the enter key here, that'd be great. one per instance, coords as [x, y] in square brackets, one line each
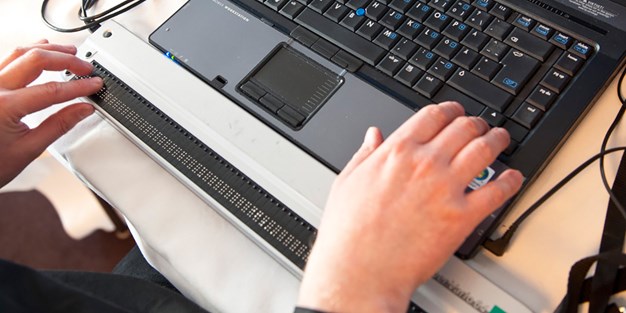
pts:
[518, 68]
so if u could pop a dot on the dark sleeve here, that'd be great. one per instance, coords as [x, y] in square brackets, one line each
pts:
[23, 289]
[304, 310]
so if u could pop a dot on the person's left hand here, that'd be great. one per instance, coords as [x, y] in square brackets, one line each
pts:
[19, 145]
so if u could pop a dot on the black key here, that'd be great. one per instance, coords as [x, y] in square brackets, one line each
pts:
[347, 61]
[355, 4]
[582, 49]
[486, 68]
[527, 115]
[304, 2]
[325, 48]
[561, 40]
[304, 36]
[556, 80]
[569, 63]
[441, 5]
[492, 117]
[442, 69]
[275, 4]
[392, 19]
[341, 37]
[484, 5]
[386, 39]
[375, 10]
[524, 22]
[475, 40]
[401, 5]
[437, 21]
[291, 9]
[501, 11]
[511, 148]
[428, 38]
[517, 69]
[530, 44]
[320, 5]
[409, 28]
[252, 90]
[447, 93]
[479, 19]
[291, 116]
[369, 29]
[481, 90]
[271, 103]
[423, 59]
[542, 31]
[498, 29]
[495, 50]
[447, 48]
[390, 64]
[542, 98]
[456, 30]
[461, 10]
[352, 21]
[428, 85]
[517, 132]
[405, 48]
[466, 58]
[419, 12]
[336, 12]
[409, 74]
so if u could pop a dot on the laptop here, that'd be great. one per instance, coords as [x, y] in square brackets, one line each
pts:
[318, 73]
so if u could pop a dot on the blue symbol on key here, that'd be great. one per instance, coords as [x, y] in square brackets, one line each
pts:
[397, 16]
[581, 49]
[443, 17]
[429, 55]
[392, 36]
[360, 11]
[425, 8]
[541, 30]
[509, 82]
[466, 7]
[483, 3]
[453, 45]
[561, 39]
[448, 65]
[523, 22]
[416, 25]
[462, 27]
[434, 35]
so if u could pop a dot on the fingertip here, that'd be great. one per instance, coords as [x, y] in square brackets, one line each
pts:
[84, 110]
[373, 137]
[460, 110]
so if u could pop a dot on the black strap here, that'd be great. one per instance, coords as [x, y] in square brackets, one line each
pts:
[608, 278]
[604, 278]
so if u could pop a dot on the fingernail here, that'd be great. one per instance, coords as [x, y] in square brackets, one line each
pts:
[369, 137]
[86, 110]
[96, 81]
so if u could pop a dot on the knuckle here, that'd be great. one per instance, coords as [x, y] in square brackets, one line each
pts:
[19, 51]
[483, 150]
[53, 89]
[469, 125]
[35, 55]
[436, 113]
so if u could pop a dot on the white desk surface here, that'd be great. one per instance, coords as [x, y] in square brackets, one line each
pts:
[535, 268]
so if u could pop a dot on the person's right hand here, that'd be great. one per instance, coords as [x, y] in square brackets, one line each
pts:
[399, 210]
[19, 145]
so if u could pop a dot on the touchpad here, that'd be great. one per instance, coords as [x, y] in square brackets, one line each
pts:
[290, 85]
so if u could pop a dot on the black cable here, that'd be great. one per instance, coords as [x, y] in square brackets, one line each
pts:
[498, 246]
[91, 22]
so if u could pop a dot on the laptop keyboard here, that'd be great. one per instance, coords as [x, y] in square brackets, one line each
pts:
[502, 65]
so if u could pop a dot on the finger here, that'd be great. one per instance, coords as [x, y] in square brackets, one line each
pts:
[479, 153]
[492, 195]
[428, 122]
[29, 66]
[55, 126]
[458, 134]
[373, 139]
[42, 44]
[35, 98]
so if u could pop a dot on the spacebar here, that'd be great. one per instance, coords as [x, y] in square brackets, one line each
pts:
[340, 36]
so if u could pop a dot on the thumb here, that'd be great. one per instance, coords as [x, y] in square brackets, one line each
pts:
[373, 139]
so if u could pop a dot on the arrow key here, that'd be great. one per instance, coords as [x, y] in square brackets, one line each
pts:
[390, 64]
[492, 117]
